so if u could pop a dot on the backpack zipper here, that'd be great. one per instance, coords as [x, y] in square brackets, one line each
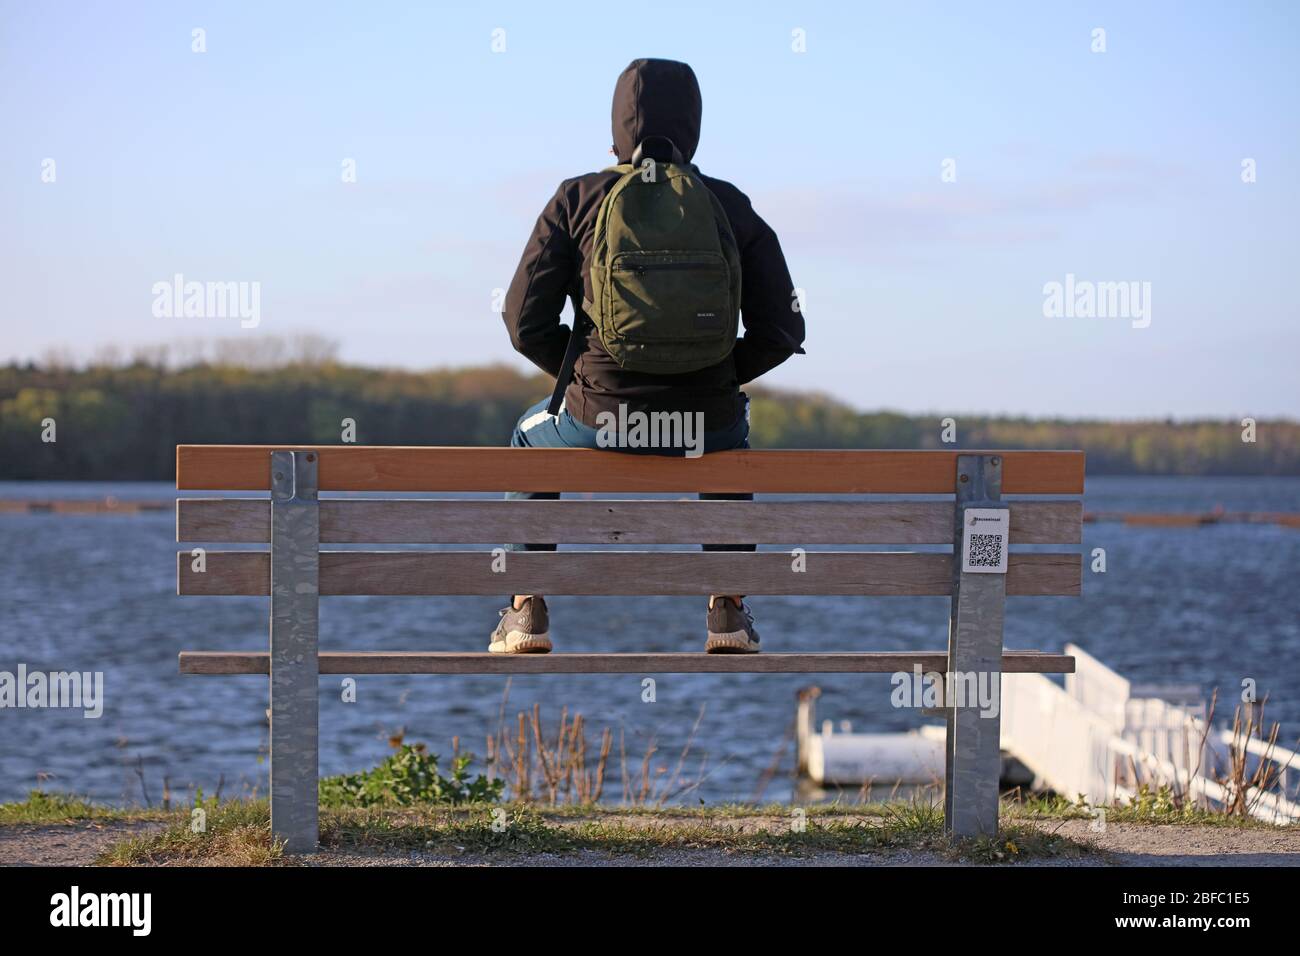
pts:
[643, 268]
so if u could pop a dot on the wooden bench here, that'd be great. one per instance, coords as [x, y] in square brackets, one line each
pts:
[296, 571]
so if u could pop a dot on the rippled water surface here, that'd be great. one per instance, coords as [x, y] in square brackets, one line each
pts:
[1208, 605]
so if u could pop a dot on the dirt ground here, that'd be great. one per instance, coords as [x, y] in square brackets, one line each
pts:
[67, 844]
[1120, 845]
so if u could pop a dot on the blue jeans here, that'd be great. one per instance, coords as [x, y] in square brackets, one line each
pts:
[537, 429]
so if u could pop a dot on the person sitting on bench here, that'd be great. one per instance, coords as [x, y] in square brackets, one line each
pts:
[658, 260]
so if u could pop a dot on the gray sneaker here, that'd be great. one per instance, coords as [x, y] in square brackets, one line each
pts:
[731, 629]
[523, 631]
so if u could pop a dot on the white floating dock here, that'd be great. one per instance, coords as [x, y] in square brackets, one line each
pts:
[1094, 738]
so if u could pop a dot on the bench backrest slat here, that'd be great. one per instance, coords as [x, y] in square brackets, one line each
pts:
[487, 523]
[764, 471]
[624, 572]
[442, 521]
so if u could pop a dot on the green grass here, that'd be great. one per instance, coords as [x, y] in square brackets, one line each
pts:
[239, 834]
[1156, 807]
[53, 808]
[715, 811]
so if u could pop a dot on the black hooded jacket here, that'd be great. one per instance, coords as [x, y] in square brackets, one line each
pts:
[652, 98]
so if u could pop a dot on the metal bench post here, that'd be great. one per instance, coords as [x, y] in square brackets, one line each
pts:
[973, 759]
[295, 617]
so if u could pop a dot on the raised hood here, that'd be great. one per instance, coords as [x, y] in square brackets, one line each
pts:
[656, 98]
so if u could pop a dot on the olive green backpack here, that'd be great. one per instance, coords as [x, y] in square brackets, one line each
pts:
[665, 272]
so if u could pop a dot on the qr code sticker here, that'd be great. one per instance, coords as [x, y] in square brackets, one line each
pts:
[985, 551]
[984, 544]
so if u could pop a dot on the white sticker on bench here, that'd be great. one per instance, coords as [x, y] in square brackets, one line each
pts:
[984, 541]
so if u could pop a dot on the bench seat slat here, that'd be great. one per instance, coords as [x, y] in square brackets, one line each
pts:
[443, 662]
[774, 471]
[624, 572]
[434, 521]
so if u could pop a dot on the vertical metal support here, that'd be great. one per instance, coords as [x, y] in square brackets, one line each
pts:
[973, 759]
[295, 619]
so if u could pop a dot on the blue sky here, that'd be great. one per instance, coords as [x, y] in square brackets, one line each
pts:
[921, 295]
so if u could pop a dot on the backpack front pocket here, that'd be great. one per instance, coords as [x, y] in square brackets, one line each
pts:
[670, 297]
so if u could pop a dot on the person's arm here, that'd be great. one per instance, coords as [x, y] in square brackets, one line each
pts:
[773, 318]
[538, 291]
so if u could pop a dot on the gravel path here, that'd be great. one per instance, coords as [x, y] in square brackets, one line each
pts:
[66, 844]
[1142, 844]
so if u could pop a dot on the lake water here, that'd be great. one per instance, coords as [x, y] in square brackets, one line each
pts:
[1208, 606]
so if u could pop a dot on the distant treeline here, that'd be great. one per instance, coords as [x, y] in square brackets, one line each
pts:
[123, 421]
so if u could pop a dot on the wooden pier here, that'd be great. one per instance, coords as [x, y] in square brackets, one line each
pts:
[81, 506]
[1192, 519]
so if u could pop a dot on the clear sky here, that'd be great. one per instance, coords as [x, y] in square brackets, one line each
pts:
[921, 294]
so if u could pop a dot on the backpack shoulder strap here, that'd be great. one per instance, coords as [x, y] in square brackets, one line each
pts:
[578, 335]
[577, 338]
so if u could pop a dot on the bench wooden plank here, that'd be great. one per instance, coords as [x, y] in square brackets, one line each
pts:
[425, 662]
[775, 471]
[625, 572]
[434, 521]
